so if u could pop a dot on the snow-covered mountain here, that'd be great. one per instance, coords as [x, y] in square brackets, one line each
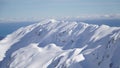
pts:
[61, 44]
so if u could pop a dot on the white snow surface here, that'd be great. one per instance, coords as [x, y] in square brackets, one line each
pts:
[61, 44]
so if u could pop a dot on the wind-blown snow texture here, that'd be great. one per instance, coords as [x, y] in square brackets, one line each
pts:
[61, 44]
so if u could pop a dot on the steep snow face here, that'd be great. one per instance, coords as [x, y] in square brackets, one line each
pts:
[61, 44]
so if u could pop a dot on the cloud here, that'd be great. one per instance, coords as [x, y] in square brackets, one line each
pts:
[105, 16]
[7, 20]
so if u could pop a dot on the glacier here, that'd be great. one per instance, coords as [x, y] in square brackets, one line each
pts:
[61, 44]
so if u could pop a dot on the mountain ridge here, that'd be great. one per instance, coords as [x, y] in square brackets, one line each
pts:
[69, 45]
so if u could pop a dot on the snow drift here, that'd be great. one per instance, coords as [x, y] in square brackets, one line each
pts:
[61, 44]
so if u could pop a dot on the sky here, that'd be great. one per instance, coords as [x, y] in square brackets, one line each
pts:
[60, 8]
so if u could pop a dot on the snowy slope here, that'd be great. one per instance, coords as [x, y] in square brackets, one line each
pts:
[61, 44]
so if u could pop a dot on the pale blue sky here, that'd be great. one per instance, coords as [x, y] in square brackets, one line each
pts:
[45, 8]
